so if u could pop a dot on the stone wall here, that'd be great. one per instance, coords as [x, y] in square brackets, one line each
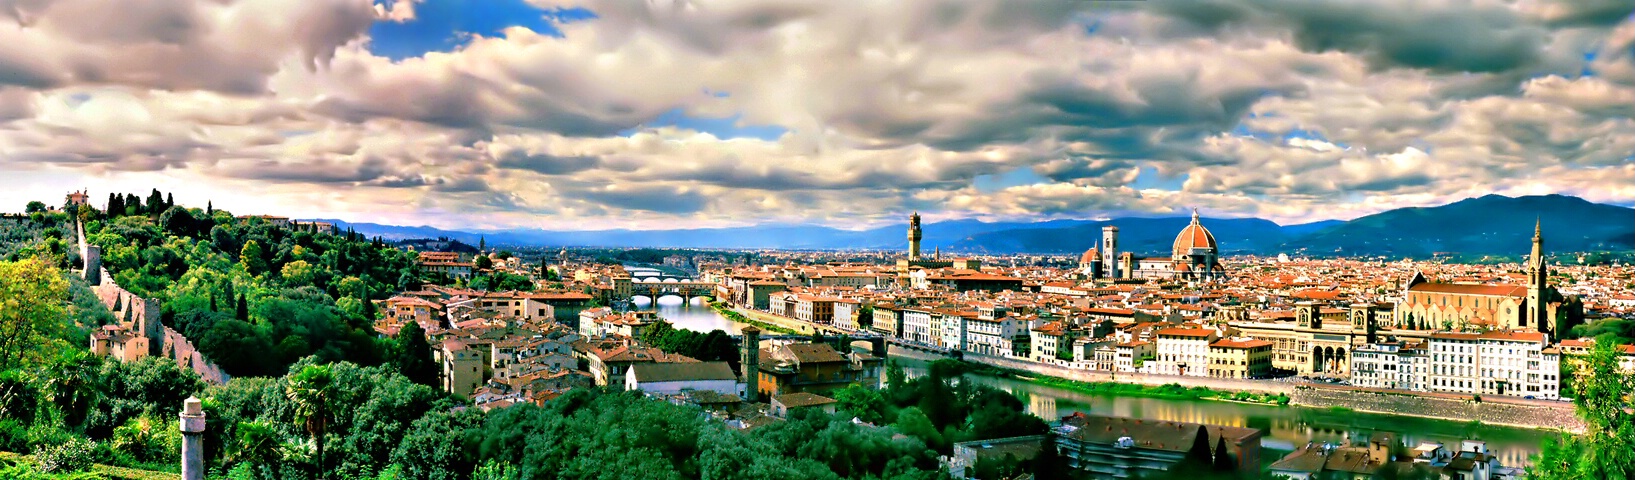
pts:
[142, 315]
[1139, 378]
[1532, 415]
[179, 348]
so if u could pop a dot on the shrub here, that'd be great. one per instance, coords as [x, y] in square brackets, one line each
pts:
[13, 436]
[147, 439]
[42, 435]
[77, 454]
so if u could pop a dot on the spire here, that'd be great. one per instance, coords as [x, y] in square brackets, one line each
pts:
[1538, 233]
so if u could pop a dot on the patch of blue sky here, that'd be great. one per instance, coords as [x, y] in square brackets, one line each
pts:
[447, 25]
[728, 127]
[1150, 179]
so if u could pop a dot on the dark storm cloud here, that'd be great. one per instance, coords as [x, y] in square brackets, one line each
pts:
[1419, 34]
[545, 163]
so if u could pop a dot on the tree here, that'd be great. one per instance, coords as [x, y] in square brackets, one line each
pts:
[156, 203]
[178, 221]
[865, 404]
[35, 207]
[32, 294]
[256, 444]
[242, 312]
[482, 262]
[414, 355]
[298, 273]
[1606, 449]
[253, 258]
[311, 393]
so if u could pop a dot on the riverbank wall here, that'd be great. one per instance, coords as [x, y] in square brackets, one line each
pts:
[1506, 412]
[1527, 415]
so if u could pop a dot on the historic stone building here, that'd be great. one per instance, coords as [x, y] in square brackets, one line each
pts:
[915, 262]
[1194, 256]
[1319, 340]
[1535, 307]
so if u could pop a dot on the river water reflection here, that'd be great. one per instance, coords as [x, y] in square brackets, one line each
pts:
[695, 314]
[1286, 427]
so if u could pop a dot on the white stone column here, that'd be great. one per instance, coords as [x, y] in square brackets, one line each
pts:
[192, 439]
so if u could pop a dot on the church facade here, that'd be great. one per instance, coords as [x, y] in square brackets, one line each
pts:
[1535, 306]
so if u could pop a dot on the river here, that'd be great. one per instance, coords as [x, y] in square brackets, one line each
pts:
[695, 314]
[1286, 427]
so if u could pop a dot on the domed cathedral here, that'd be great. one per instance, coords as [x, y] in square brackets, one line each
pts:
[1196, 255]
[1090, 262]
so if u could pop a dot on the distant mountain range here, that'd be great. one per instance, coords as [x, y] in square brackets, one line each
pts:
[1490, 225]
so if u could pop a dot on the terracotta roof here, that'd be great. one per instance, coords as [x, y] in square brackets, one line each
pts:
[682, 372]
[814, 353]
[1468, 289]
[1110, 311]
[802, 399]
[1229, 343]
[1534, 337]
[1186, 332]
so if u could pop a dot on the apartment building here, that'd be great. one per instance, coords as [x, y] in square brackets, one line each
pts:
[1130, 356]
[1514, 363]
[1240, 358]
[1453, 363]
[1184, 351]
[917, 327]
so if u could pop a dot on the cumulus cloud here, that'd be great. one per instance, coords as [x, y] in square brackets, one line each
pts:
[1285, 109]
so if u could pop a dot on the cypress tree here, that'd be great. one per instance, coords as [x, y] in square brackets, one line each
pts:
[243, 311]
[156, 203]
[213, 302]
[209, 208]
[170, 200]
[116, 205]
[414, 355]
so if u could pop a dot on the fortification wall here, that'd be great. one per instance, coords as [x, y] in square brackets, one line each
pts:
[1531, 415]
[143, 315]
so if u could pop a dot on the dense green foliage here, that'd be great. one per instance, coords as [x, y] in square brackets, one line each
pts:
[1602, 394]
[125, 411]
[42, 234]
[29, 325]
[501, 281]
[715, 346]
[941, 411]
[254, 296]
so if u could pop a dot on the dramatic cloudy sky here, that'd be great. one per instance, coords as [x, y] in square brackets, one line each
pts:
[590, 114]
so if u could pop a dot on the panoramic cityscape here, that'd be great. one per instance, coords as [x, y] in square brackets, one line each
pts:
[920, 239]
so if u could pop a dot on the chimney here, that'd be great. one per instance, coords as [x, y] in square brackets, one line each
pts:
[751, 364]
[192, 425]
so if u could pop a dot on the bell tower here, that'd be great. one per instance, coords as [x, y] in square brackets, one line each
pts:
[1537, 316]
[914, 237]
[1109, 251]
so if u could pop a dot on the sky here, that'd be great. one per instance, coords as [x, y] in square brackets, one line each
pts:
[596, 114]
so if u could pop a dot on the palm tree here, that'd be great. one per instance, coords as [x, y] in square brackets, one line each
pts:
[257, 444]
[311, 392]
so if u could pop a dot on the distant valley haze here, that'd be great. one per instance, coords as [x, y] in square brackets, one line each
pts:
[1488, 225]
